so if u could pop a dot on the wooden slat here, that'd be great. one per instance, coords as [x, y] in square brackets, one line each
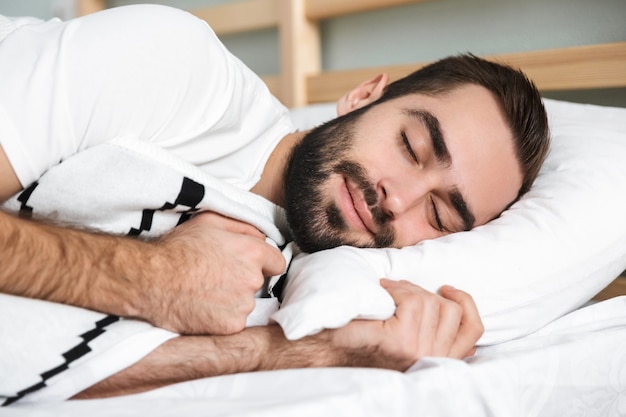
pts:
[241, 16]
[331, 85]
[84, 7]
[324, 9]
[300, 52]
[616, 288]
[581, 67]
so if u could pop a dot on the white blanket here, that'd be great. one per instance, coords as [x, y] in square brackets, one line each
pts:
[126, 187]
[575, 366]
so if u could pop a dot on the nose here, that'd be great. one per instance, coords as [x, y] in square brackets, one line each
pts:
[403, 193]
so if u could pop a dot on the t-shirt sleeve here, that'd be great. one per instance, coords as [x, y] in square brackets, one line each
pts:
[145, 72]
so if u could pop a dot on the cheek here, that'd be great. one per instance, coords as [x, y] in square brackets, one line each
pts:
[379, 161]
[413, 229]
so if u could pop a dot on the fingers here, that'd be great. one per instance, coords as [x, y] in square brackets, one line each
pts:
[424, 324]
[419, 311]
[271, 260]
[470, 353]
[471, 327]
[222, 263]
[443, 325]
[447, 329]
[274, 262]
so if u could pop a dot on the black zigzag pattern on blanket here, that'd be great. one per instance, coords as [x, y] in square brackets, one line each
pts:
[189, 196]
[70, 356]
[26, 211]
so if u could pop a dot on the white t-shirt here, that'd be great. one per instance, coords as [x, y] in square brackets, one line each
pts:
[145, 72]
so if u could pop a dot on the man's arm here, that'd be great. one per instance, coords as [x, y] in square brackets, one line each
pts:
[425, 324]
[193, 280]
[197, 279]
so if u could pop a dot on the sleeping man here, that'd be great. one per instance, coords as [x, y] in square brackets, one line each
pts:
[443, 150]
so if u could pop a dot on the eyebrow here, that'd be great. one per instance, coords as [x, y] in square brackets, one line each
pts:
[443, 156]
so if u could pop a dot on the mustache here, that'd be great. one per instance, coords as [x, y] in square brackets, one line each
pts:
[358, 174]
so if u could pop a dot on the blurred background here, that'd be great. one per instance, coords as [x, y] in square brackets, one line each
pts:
[371, 39]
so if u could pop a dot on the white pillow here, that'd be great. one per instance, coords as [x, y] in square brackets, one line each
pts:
[551, 252]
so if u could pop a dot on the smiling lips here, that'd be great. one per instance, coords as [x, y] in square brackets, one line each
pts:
[355, 208]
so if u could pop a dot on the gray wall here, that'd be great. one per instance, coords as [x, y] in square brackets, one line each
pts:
[427, 31]
[38, 8]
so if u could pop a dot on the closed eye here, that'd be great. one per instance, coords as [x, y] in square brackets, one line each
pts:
[439, 225]
[408, 147]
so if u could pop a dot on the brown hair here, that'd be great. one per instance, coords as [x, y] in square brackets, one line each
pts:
[517, 95]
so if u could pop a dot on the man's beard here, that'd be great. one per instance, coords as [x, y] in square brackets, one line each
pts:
[316, 222]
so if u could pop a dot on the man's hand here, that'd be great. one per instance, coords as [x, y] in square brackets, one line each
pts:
[219, 265]
[424, 324]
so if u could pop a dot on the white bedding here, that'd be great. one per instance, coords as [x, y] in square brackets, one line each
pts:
[575, 366]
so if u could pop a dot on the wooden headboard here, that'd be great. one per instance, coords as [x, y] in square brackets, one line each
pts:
[302, 81]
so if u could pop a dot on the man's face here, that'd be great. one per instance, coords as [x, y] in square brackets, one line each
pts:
[410, 169]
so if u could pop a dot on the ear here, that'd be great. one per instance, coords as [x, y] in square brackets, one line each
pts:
[366, 93]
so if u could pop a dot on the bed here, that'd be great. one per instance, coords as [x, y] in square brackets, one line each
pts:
[569, 355]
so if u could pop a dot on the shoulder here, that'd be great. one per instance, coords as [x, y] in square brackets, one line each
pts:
[149, 20]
